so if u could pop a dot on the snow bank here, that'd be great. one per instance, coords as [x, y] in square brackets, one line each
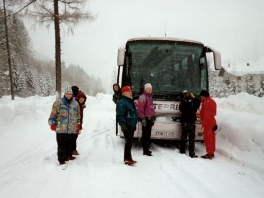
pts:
[103, 97]
[242, 102]
[31, 108]
[240, 133]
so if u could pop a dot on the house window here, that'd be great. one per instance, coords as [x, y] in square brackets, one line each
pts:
[239, 78]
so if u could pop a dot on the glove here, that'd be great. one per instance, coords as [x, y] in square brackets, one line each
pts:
[152, 121]
[144, 122]
[78, 129]
[123, 127]
[53, 127]
[214, 128]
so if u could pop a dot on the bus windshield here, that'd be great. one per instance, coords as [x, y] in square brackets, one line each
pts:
[170, 66]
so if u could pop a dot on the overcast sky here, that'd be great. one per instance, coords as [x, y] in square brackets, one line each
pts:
[233, 27]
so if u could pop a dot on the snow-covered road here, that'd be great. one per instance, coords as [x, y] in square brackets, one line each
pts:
[29, 166]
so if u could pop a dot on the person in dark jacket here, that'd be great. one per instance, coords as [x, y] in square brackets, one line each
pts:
[126, 116]
[117, 93]
[81, 99]
[116, 97]
[208, 113]
[188, 107]
[146, 115]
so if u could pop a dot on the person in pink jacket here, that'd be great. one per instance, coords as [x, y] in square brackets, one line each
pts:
[146, 115]
[208, 113]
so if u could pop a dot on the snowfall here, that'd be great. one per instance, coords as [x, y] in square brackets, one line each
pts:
[29, 166]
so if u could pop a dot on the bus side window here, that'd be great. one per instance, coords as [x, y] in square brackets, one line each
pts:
[184, 63]
[202, 63]
[176, 67]
[203, 73]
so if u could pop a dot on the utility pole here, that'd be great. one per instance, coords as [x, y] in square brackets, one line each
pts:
[8, 54]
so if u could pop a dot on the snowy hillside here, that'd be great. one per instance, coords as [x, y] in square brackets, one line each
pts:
[29, 166]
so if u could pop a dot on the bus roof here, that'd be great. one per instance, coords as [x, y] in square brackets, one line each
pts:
[164, 39]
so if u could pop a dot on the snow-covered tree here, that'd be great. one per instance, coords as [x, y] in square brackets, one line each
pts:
[31, 82]
[261, 82]
[50, 89]
[232, 86]
[32, 76]
[217, 88]
[69, 13]
[248, 86]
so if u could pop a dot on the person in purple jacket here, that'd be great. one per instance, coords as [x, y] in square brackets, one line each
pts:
[146, 116]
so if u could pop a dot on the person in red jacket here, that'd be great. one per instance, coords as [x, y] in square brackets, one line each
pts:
[208, 113]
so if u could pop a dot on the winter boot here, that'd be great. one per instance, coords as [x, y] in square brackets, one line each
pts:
[147, 153]
[129, 162]
[61, 163]
[71, 158]
[75, 152]
[208, 156]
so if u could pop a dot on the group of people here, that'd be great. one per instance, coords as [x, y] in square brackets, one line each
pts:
[128, 115]
[66, 120]
[188, 107]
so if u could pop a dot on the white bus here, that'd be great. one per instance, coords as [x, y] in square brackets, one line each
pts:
[172, 66]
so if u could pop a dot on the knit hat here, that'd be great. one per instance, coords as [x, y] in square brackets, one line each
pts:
[68, 90]
[126, 88]
[148, 85]
[204, 93]
[75, 90]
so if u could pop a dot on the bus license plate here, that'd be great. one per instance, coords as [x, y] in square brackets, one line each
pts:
[165, 133]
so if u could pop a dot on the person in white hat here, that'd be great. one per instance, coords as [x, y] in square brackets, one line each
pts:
[146, 115]
[65, 120]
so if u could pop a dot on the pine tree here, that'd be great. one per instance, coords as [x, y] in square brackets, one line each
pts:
[50, 90]
[31, 83]
[4, 71]
[62, 12]
[232, 86]
[261, 81]
[248, 86]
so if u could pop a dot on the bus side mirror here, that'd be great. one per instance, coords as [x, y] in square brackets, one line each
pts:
[217, 57]
[121, 56]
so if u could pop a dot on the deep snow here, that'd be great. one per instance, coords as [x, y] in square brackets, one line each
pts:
[29, 166]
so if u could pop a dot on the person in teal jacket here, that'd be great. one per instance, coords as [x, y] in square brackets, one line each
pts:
[127, 118]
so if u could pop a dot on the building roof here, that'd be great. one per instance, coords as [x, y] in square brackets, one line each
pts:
[250, 67]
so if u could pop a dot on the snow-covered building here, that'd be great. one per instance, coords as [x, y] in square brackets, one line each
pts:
[247, 76]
